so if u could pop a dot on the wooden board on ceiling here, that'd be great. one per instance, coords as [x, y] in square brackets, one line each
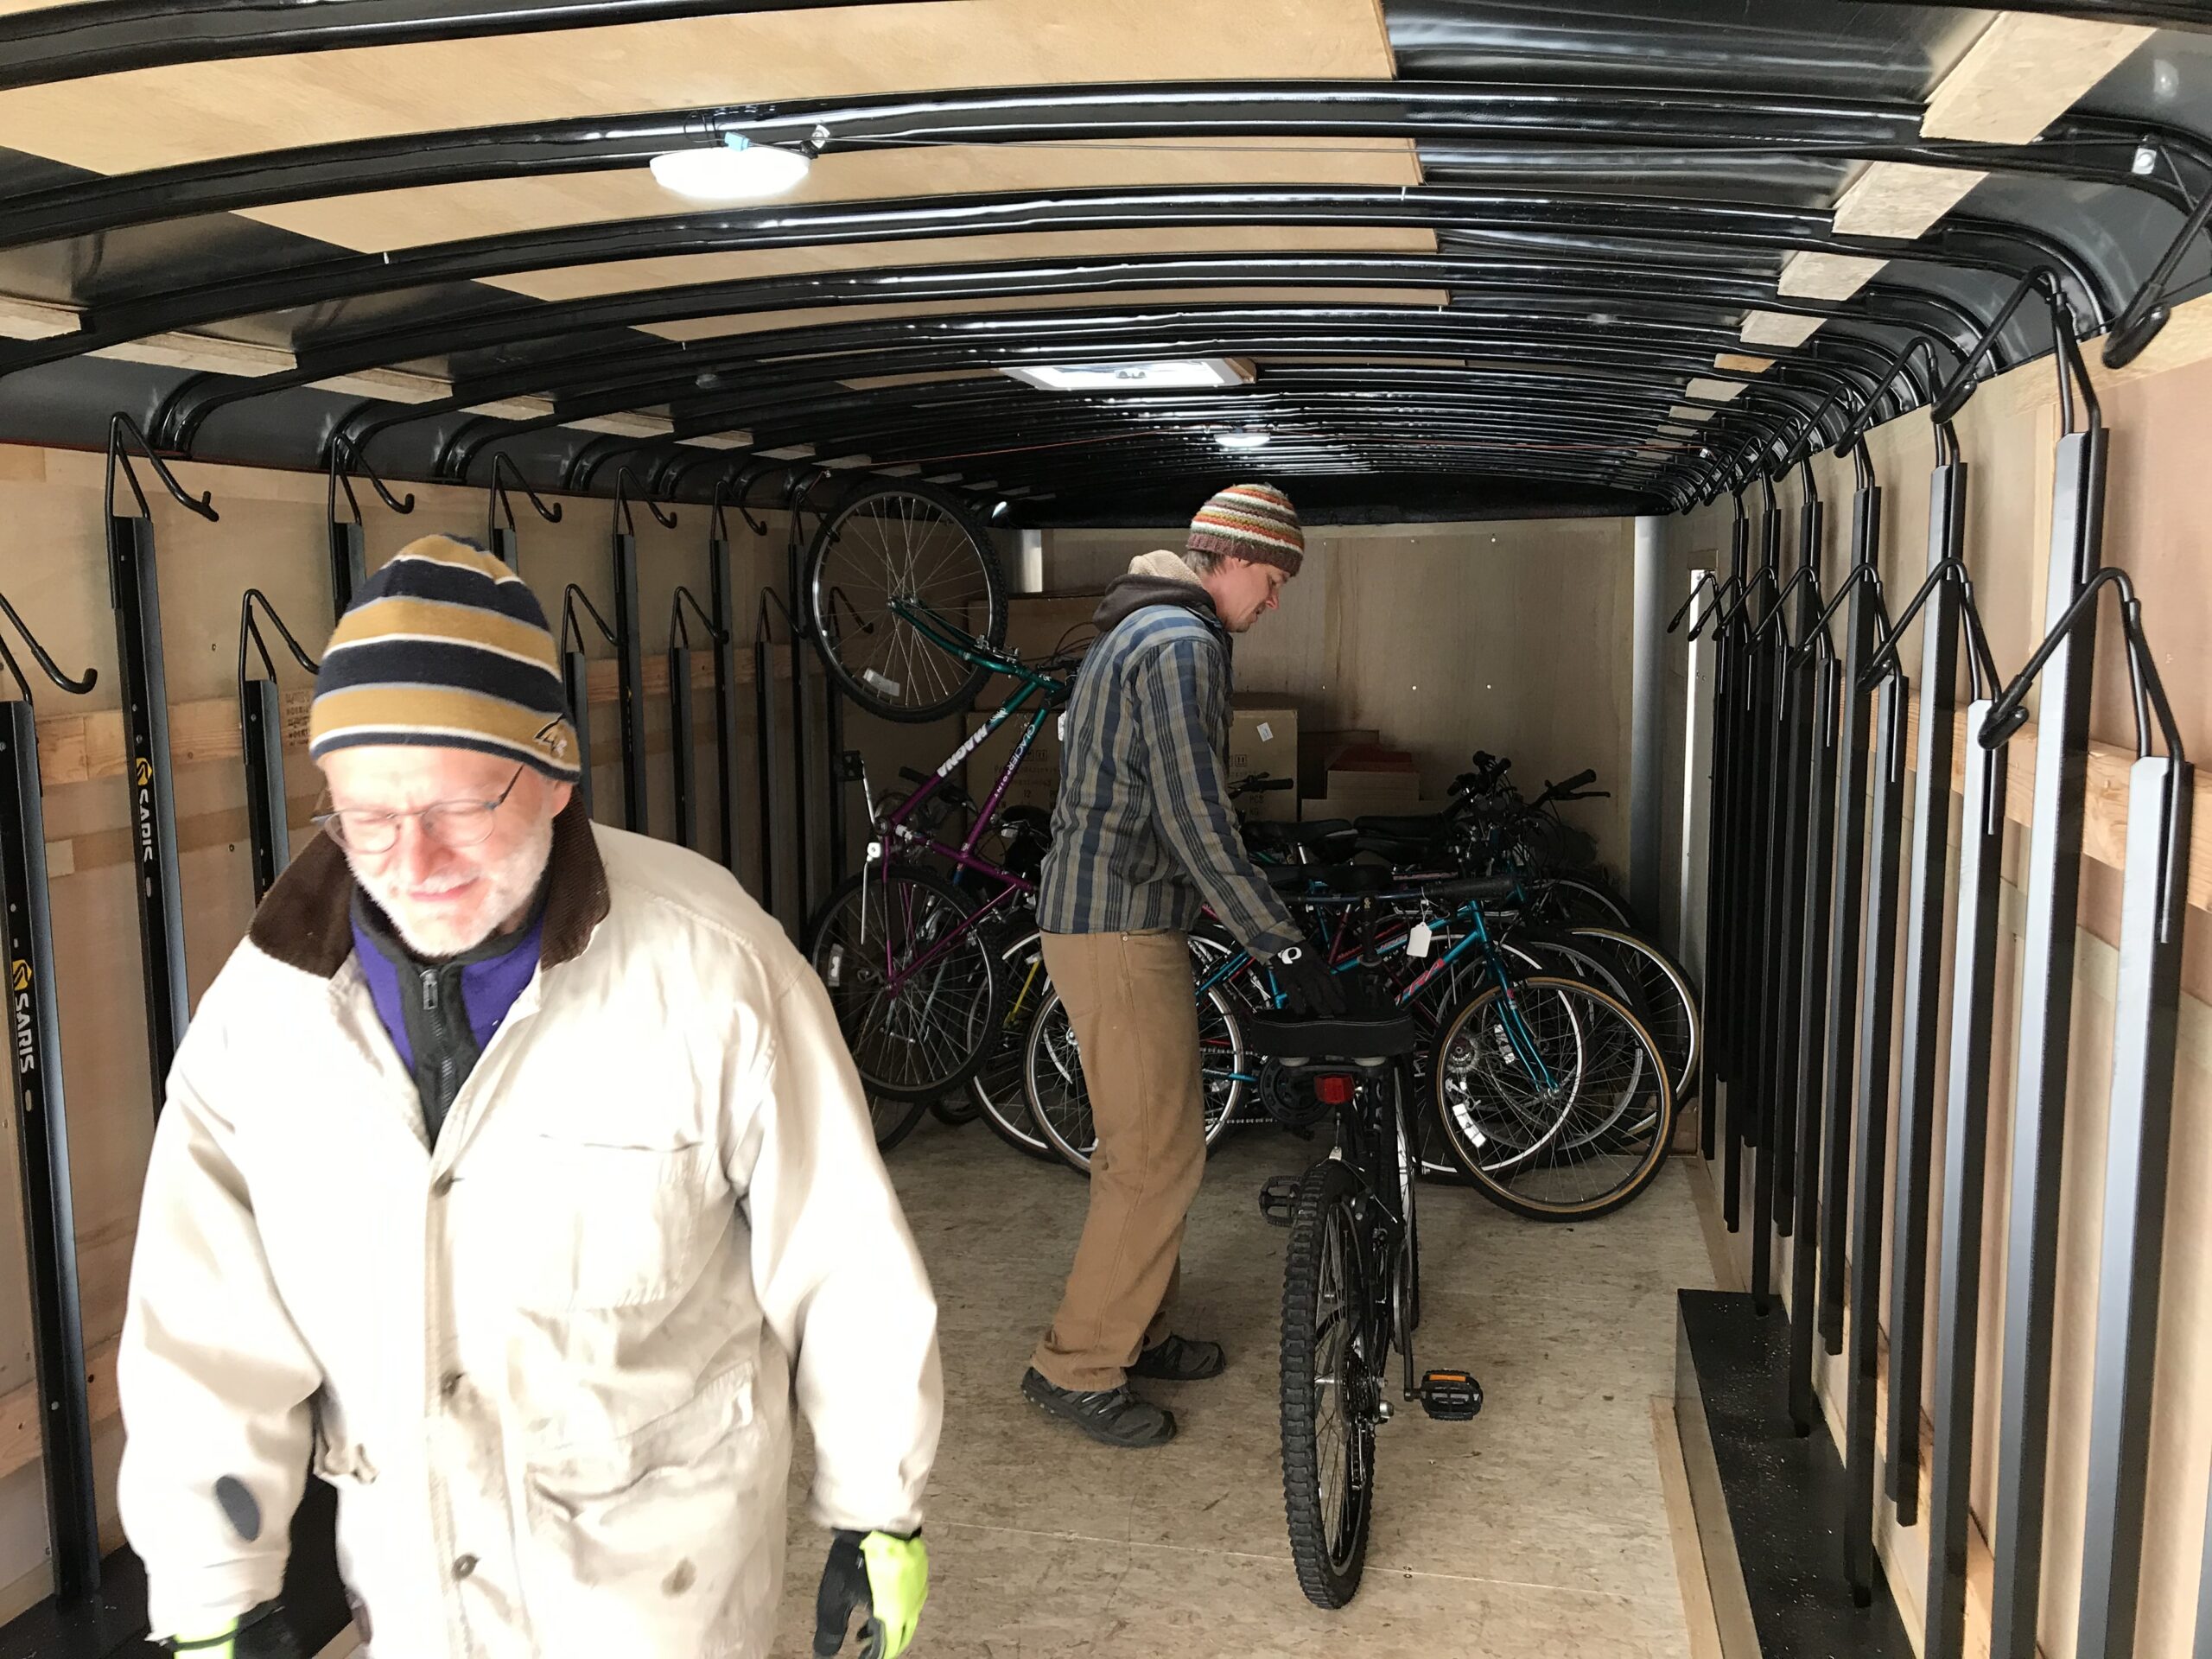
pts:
[158, 118]
[382, 220]
[825, 316]
[581, 282]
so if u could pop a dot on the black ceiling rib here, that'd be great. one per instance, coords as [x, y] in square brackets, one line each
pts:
[1625, 220]
[2086, 148]
[1885, 305]
[69, 42]
[2150, 14]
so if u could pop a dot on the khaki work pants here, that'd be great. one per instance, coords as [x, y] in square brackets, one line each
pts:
[1136, 1029]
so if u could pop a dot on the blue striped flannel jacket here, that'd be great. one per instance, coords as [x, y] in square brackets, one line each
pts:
[1141, 831]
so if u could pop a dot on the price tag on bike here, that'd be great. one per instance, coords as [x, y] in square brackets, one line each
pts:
[1418, 941]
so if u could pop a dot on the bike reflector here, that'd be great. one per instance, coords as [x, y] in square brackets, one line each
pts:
[1333, 1089]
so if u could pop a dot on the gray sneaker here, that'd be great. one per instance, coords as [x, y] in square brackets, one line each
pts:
[1110, 1416]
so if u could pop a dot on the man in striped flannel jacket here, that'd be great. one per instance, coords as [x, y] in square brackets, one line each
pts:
[1141, 835]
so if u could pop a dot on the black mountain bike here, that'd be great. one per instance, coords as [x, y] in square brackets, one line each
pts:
[1352, 1276]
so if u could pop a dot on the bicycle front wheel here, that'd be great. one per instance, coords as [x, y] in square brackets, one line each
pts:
[903, 545]
[914, 983]
[1554, 1097]
[1667, 1003]
[1331, 1382]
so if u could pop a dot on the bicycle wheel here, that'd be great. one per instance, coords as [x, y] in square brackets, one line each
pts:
[1331, 1382]
[997, 1083]
[1059, 1101]
[893, 1120]
[915, 545]
[913, 980]
[1666, 1002]
[1576, 901]
[1555, 1099]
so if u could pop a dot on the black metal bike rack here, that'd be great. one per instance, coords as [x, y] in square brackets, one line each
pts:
[505, 541]
[261, 730]
[1942, 594]
[2147, 1013]
[764, 676]
[2054, 878]
[65, 1418]
[720, 609]
[576, 680]
[683, 763]
[348, 537]
[630, 651]
[134, 589]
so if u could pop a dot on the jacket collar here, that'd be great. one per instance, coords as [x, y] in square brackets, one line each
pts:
[306, 922]
[1160, 578]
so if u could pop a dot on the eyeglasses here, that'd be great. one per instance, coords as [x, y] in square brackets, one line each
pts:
[450, 823]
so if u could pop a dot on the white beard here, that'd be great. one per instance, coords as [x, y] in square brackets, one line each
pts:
[506, 886]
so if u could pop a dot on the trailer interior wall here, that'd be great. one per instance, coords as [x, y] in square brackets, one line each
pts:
[53, 566]
[1512, 637]
[2154, 527]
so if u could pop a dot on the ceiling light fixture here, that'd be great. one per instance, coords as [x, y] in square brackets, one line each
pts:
[1241, 440]
[737, 170]
[1170, 374]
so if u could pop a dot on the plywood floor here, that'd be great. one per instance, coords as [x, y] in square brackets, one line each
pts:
[1541, 1528]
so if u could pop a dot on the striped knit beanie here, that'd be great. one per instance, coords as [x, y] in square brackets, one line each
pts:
[1250, 521]
[446, 647]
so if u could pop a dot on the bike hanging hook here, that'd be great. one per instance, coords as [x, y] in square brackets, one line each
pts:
[758, 526]
[248, 629]
[501, 463]
[679, 630]
[572, 596]
[346, 458]
[76, 687]
[2009, 712]
[626, 522]
[122, 427]
[1981, 667]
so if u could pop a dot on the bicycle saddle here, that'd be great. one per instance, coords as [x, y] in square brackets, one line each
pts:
[1350, 1036]
[1332, 880]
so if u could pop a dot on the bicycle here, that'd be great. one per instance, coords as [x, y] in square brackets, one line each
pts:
[1351, 1279]
[912, 958]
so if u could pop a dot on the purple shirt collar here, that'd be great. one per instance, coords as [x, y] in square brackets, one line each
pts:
[491, 975]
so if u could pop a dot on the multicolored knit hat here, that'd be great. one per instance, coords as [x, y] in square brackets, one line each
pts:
[447, 648]
[1250, 521]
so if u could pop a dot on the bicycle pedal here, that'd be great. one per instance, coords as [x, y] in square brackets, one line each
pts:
[1278, 1196]
[1451, 1396]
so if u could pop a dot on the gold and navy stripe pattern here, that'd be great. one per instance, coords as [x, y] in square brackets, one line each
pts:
[447, 647]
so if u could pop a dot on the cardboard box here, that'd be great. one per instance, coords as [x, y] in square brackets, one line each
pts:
[1318, 750]
[1264, 738]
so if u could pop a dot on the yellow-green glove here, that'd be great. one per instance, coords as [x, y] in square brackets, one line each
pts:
[882, 1573]
[262, 1634]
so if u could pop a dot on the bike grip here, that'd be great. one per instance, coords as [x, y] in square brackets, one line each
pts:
[1581, 780]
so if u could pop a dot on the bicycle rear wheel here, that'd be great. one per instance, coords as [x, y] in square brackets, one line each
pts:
[997, 1083]
[912, 544]
[1332, 1379]
[1059, 1101]
[1665, 1000]
[1555, 1099]
[914, 983]
[1577, 901]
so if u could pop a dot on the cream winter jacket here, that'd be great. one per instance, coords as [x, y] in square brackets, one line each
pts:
[548, 1365]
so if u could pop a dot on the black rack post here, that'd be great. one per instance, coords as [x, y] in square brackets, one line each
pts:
[1825, 694]
[1722, 850]
[1966, 1152]
[134, 590]
[65, 1417]
[2054, 880]
[1884, 839]
[1845, 890]
[576, 680]
[1923, 972]
[1755, 810]
[1800, 687]
[349, 537]
[720, 612]
[683, 763]
[630, 653]
[261, 726]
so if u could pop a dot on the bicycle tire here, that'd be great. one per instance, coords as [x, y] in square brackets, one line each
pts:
[956, 1108]
[996, 1083]
[1577, 901]
[1615, 1058]
[871, 550]
[1053, 1074]
[893, 1119]
[880, 1033]
[1670, 1005]
[1326, 1298]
